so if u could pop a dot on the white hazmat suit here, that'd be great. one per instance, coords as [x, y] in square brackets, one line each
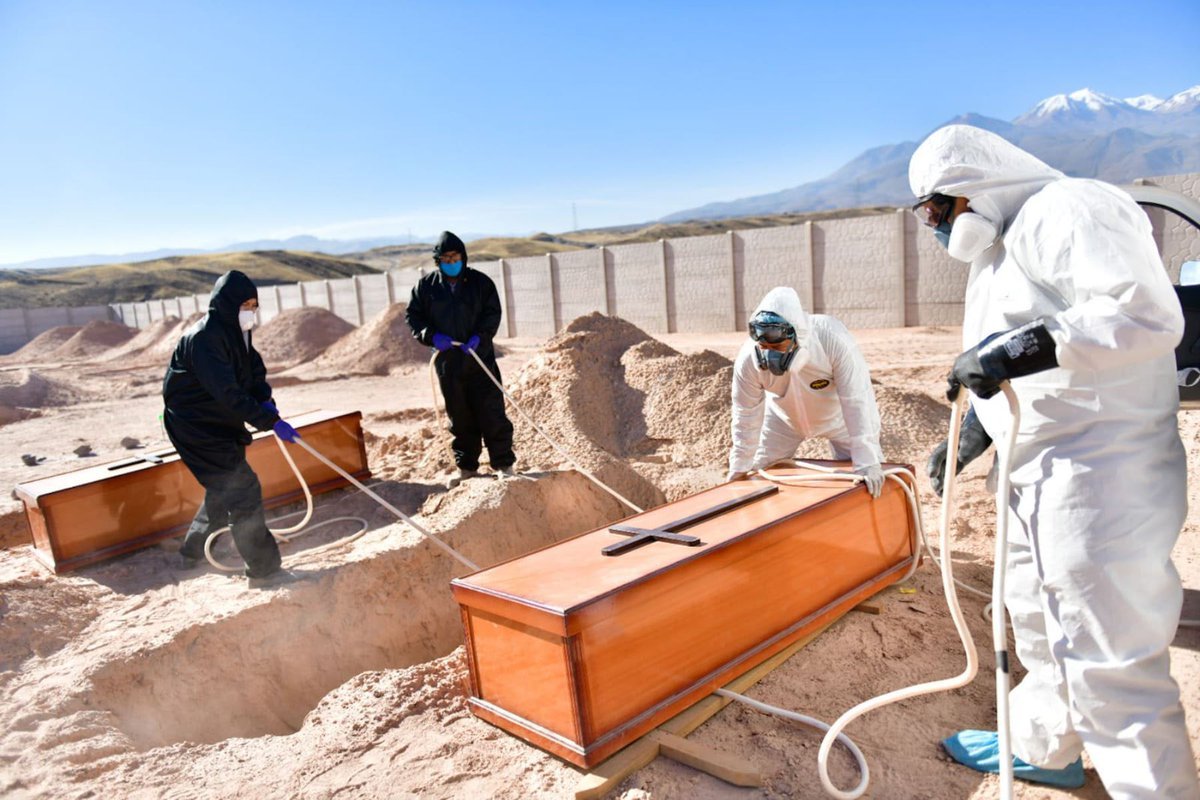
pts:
[825, 392]
[1098, 471]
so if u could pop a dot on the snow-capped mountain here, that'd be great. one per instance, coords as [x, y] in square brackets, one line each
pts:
[1085, 133]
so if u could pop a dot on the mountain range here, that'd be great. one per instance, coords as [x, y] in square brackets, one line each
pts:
[1085, 134]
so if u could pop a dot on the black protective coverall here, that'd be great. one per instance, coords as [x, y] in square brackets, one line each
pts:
[215, 384]
[473, 403]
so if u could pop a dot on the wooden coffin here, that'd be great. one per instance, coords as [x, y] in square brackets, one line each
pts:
[579, 652]
[88, 515]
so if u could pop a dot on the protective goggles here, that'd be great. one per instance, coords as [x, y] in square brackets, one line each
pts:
[771, 332]
[933, 209]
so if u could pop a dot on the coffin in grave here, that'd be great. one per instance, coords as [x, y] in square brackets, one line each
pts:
[587, 644]
[91, 514]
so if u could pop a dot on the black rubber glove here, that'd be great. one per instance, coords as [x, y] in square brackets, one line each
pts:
[972, 441]
[1012, 354]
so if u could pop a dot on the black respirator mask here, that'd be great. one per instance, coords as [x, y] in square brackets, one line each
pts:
[770, 328]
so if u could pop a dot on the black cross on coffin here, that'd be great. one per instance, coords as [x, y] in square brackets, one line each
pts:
[670, 531]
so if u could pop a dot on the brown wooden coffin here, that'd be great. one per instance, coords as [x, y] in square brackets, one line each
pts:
[91, 514]
[579, 652]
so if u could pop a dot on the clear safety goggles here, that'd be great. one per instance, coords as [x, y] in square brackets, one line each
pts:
[771, 332]
[933, 209]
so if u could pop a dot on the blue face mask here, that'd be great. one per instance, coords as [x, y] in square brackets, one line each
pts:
[452, 269]
[942, 233]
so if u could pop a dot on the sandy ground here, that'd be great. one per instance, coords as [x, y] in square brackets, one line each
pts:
[130, 679]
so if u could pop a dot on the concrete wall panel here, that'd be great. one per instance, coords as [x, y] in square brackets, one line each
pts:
[770, 257]
[856, 276]
[700, 286]
[580, 285]
[637, 285]
[530, 297]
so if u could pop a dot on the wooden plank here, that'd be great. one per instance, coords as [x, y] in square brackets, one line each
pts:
[731, 769]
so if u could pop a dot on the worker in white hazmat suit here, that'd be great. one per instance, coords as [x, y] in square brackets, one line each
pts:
[1068, 299]
[799, 376]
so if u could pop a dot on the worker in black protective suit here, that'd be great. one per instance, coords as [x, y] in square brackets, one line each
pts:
[216, 383]
[459, 304]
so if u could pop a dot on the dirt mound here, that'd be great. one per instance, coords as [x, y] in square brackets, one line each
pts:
[38, 622]
[94, 338]
[913, 424]
[599, 337]
[160, 352]
[422, 453]
[686, 405]
[10, 414]
[381, 344]
[145, 338]
[42, 345]
[26, 388]
[298, 335]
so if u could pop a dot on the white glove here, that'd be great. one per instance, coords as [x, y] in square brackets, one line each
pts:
[872, 478]
[734, 475]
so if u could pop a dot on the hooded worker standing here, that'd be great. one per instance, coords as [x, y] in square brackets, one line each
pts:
[1067, 299]
[215, 385]
[458, 304]
[798, 376]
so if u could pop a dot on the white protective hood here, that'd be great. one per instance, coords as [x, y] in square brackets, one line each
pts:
[784, 301]
[994, 174]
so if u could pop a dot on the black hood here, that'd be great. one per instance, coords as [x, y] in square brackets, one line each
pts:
[229, 292]
[449, 243]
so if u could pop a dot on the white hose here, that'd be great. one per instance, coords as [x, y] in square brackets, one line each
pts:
[308, 513]
[999, 571]
[536, 427]
[813, 722]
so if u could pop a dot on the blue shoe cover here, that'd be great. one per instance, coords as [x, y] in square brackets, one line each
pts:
[980, 750]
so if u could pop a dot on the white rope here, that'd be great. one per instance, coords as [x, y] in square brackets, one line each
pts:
[366, 490]
[288, 534]
[400, 514]
[536, 427]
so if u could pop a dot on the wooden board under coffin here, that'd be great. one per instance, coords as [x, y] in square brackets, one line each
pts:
[580, 653]
[87, 515]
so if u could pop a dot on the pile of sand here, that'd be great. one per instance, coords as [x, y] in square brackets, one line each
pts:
[626, 406]
[93, 339]
[145, 338]
[298, 335]
[27, 388]
[420, 453]
[42, 345]
[383, 343]
[913, 424]
[160, 352]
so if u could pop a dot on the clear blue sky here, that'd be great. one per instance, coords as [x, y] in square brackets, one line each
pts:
[128, 126]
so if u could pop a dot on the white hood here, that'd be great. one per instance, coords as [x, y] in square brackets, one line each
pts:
[994, 174]
[784, 301]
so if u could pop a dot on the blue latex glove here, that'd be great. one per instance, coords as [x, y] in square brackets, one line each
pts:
[472, 343]
[980, 750]
[285, 431]
[269, 406]
[442, 342]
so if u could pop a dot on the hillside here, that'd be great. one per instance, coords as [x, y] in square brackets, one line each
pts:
[164, 277]
[490, 249]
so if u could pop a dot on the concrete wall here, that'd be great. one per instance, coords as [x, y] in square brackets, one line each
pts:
[19, 325]
[870, 272]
